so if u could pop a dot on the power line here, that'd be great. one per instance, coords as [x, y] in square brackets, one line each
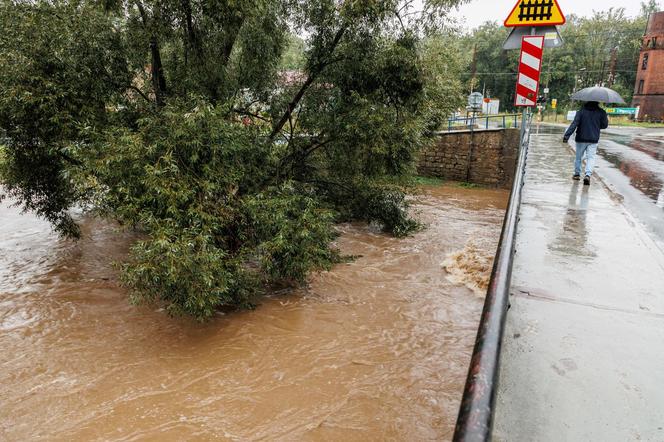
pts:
[552, 72]
[575, 35]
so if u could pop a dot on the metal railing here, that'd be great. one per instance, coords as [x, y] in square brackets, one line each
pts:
[485, 122]
[475, 419]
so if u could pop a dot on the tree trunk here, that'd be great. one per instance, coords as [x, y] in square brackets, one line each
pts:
[157, 72]
[316, 71]
[156, 68]
[192, 39]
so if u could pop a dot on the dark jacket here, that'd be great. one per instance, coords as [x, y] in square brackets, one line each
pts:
[588, 123]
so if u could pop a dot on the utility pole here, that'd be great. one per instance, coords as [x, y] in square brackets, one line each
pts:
[578, 77]
[473, 70]
[548, 76]
[612, 67]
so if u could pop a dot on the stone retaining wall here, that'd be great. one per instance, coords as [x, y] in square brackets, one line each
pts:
[486, 157]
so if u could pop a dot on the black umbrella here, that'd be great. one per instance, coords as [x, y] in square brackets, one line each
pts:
[600, 94]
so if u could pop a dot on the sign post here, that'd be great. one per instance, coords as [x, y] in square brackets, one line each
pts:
[479, 398]
[542, 18]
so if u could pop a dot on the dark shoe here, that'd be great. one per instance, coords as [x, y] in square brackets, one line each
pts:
[576, 177]
[586, 181]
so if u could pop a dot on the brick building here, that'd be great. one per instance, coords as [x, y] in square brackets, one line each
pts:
[649, 88]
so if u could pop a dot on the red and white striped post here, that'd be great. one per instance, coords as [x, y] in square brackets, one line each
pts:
[530, 67]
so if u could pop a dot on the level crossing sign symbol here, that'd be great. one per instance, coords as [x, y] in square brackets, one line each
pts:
[535, 13]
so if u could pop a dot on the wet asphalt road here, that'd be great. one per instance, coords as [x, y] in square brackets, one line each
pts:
[631, 163]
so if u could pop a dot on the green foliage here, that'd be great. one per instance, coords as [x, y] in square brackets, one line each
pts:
[292, 233]
[387, 205]
[428, 181]
[58, 69]
[586, 58]
[187, 271]
[649, 7]
[442, 61]
[172, 117]
[589, 45]
[629, 122]
[191, 180]
[294, 55]
[485, 56]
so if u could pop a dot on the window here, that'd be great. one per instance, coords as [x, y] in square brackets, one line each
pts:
[644, 65]
[654, 43]
[641, 84]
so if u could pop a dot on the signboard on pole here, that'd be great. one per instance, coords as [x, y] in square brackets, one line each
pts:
[621, 110]
[552, 37]
[475, 101]
[530, 68]
[533, 13]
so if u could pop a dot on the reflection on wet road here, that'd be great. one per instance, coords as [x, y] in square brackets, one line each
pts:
[573, 237]
[377, 349]
[641, 158]
[631, 162]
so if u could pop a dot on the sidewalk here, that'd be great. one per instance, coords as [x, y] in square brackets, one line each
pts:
[583, 352]
[613, 130]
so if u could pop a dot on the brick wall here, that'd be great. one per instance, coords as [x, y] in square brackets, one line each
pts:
[649, 87]
[481, 157]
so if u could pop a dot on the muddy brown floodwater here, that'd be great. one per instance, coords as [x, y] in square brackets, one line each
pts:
[374, 350]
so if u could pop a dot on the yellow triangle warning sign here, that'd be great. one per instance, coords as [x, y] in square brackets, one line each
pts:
[535, 13]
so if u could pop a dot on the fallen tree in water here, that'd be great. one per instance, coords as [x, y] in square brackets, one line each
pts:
[174, 118]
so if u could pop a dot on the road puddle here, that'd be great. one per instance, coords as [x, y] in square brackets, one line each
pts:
[376, 349]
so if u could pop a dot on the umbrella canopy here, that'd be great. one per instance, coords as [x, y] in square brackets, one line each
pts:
[601, 94]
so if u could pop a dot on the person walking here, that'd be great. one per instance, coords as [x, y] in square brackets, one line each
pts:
[587, 124]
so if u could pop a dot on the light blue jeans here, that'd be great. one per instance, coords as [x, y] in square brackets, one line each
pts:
[590, 151]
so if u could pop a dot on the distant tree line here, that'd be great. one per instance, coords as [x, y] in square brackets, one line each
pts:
[602, 49]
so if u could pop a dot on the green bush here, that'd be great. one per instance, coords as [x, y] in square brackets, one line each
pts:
[194, 183]
[188, 272]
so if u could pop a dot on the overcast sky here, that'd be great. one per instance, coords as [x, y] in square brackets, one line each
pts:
[478, 11]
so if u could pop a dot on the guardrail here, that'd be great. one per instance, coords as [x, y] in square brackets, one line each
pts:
[475, 420]
[485, 122]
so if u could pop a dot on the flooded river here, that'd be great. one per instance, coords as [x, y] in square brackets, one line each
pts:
[374, 350]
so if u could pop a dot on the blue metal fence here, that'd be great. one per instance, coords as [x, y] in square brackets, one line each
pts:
[484, 122]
